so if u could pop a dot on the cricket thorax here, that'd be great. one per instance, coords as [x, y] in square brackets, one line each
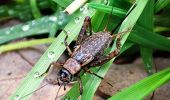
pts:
[72, 66]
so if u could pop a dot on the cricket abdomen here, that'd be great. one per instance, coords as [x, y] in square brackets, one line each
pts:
[97, 42]
[92, 46]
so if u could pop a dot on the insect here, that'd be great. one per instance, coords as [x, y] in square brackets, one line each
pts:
[89, 51]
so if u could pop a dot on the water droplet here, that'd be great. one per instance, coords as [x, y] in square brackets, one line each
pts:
[51, 54]
[25, 27]
[77, 20]
[7, 32]
[10, 12]
[60, 22]
[105, 2]
[53, 18]
[11, 28]
[67, 98]
[36, 74]
[17, 97]
[33, 23]
[84, 9]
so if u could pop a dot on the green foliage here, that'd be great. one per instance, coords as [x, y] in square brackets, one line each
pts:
[144, 87]
[140, 20]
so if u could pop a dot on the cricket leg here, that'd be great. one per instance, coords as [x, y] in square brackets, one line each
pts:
[80, 85]
[113, 54]
[54, 64]
[66, 44]
[86, 27]
[91, 72]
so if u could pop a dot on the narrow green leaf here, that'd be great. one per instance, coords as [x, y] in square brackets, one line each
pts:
[63, 3]
[35, 27]
[24, 44]
[108, 9]
[160, 4]
[35, 10]
[146, 21]
[144, 87]
[149, 39]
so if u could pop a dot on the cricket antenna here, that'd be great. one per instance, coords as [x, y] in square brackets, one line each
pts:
[134, 5]
[33, 91]
[58, 91]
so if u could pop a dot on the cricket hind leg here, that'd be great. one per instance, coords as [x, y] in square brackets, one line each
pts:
[66, 44]
[83, 32]
[102, 60]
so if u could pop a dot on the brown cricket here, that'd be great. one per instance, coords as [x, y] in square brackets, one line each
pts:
[88, 52]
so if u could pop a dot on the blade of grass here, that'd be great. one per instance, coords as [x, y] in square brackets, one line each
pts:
[146, 21]
[63, 3]
[149, 39]
[129, 22]
[146, 54]
[35, 27]
[160, 4]
[35, 10]
[144, 87]
[108, 9]
[52, 54]
[24, 44]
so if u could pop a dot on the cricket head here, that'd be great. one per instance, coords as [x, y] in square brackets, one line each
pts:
[70, 67]
[64, 76]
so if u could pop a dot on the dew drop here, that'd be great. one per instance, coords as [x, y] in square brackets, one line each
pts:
[51, 54]
[25, 27]
[53, 18]
[17, 97]
[84, 9]
[7, 32]
[10, 12]
[36, 74]
[105, 2]
[33, 23]
[77, 20]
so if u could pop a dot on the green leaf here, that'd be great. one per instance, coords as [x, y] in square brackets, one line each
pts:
[35, 27]
[149, 39]
[146, 21]
[108, 9]
[24, 44]
[35, 11]
[63, 3]
[144, 87]
[160, 4]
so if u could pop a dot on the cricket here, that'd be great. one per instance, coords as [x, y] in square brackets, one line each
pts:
[88, 52]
